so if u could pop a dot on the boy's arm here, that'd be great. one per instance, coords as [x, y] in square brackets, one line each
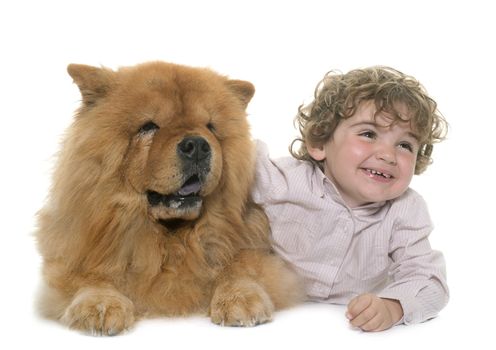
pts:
[266, 175]
[418, 273]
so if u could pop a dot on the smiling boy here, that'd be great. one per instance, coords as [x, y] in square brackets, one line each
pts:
[375, 153]
[342, 212]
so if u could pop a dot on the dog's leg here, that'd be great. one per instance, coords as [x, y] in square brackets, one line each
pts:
[241, 302]
[252, 287]
[99, 311]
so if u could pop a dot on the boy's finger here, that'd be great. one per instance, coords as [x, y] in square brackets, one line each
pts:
[349, 306]
[353, 302]
[364, 317]
[358, 304]
[376, 323]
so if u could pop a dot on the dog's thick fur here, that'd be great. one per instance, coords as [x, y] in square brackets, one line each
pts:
[149, 213]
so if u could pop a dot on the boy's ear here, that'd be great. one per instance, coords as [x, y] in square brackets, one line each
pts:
[244, 90]
[316, 152]
[94, 83]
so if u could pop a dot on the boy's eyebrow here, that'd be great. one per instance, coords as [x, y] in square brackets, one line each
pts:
[415, 136]
[364, 123]
[374, 124]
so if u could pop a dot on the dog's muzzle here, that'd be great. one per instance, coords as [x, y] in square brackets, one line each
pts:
[194, 153]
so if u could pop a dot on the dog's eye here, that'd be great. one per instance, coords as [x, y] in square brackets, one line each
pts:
[211, 127]
[147, 127]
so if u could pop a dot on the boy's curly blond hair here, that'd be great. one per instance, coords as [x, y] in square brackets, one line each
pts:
[337, 97]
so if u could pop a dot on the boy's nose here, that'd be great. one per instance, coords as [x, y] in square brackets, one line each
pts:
[386, 154]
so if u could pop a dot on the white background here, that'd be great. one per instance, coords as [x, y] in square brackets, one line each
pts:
[284, 48]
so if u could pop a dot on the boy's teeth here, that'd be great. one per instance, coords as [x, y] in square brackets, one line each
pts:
[378, 173]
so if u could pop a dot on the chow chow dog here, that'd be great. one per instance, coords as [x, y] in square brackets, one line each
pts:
[149, 213]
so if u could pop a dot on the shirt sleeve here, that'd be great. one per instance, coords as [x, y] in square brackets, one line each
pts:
[267, 175]
[418, 272]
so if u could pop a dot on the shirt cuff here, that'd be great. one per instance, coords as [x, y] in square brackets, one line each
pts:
[410, 306]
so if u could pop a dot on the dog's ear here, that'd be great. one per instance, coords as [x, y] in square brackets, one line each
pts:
[94, 83]
[244, 90]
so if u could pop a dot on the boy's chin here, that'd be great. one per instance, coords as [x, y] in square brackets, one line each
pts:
[384, 197]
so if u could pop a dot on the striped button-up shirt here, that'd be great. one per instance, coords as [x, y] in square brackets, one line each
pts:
[341, 252]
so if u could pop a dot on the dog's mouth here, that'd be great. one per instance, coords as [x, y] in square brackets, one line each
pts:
[177, 209]
[186, 197]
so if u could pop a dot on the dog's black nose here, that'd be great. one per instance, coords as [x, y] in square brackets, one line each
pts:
[193, 148]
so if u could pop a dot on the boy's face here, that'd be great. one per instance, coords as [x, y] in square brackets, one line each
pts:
[369, 159]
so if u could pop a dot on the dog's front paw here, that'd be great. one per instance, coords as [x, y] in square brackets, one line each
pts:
[99, 312]
[241, 303]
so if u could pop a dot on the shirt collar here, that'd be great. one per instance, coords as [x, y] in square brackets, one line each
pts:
[322, 186]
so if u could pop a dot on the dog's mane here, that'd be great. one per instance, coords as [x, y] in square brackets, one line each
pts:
[97, 222]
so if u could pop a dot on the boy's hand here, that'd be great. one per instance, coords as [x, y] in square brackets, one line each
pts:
[373, 314]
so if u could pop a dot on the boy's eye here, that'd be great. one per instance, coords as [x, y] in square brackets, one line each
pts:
[407, 146]
[368, 134]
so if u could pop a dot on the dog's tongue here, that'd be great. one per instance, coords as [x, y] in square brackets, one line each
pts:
[191, 186]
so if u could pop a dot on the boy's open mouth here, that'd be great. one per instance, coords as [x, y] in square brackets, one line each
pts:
[378, 173]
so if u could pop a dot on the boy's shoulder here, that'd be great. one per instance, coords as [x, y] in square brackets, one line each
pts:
[284, 164]
[282, 176]
[410, 206]
[410, 196]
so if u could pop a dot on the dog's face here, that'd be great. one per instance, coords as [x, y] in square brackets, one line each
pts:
[169, 129]
[175, 164]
